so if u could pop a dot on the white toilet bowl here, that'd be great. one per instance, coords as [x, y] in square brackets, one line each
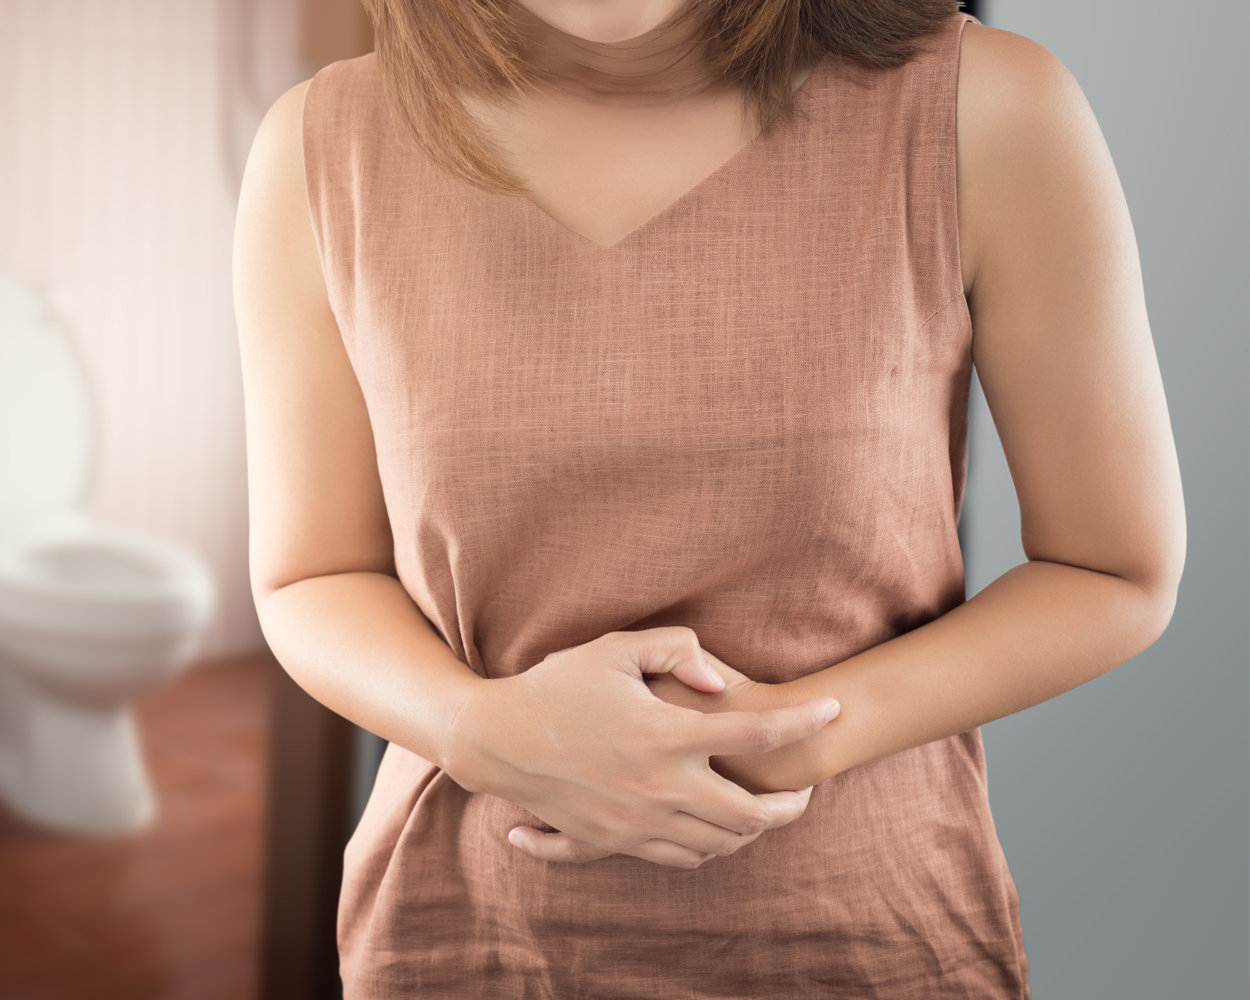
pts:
[91, 616]
[90, 619]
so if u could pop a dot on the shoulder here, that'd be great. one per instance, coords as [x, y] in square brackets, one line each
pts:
[1023, 123]
[275, 163]
[277, 146]
[306, 121]
[1010, 81]
[336, 83]
[272, 217]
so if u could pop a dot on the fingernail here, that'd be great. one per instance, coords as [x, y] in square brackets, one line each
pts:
[831, 711]
[712, 673]
[514, 838]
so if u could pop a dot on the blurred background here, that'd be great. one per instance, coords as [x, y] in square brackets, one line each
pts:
[180, 832]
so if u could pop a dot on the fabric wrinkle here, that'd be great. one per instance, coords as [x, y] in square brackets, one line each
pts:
[749, 417]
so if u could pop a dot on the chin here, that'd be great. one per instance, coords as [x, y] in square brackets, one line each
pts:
[604, 22]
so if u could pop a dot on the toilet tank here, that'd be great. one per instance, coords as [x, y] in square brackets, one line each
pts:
[48, 419]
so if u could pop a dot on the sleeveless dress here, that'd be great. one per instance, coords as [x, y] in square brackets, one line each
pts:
[748, 416]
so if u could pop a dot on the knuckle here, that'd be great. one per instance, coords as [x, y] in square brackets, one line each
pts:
[767, 736]
[667, 743]
[668, 797]
[757, 822]
[658, 733]
[649, 786]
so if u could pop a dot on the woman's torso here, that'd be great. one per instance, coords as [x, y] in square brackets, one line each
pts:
[746, 414]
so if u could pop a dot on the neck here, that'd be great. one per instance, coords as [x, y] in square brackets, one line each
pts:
[654, 68]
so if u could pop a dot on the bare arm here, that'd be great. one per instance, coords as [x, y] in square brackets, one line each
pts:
[1064, 353]
[322, 569]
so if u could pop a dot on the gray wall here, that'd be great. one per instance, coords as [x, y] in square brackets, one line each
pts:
[1123, 805]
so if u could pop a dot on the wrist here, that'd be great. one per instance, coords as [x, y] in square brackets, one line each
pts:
[790, 767]
[802, 766]
[461, 742]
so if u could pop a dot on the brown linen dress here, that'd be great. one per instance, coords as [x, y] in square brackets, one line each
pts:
[748, 416]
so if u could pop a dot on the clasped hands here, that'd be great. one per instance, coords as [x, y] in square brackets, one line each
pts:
[638, 743]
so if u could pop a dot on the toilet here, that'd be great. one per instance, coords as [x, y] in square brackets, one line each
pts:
[92, 616]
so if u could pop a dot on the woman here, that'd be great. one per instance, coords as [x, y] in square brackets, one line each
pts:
[571, 374]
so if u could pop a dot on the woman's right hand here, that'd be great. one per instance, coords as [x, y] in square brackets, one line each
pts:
[582, 743]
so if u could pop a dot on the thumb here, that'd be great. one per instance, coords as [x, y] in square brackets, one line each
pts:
[554, 846]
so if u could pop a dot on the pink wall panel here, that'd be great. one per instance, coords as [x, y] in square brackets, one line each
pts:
[124, 125]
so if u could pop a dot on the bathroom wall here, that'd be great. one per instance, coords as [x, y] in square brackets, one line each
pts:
[126, 125]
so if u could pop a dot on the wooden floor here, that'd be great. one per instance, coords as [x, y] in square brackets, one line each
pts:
[169, 913]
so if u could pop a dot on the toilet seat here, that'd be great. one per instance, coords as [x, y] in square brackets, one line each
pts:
[71, 575]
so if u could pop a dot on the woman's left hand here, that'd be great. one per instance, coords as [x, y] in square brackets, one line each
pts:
[782, 769]
[786, 768]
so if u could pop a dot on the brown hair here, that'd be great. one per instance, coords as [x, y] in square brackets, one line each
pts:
[426, 49]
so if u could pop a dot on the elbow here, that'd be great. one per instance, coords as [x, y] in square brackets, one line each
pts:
[265, 586]
[1164, 587]
[1160, 583]
[1164, 608]
[1158, 604]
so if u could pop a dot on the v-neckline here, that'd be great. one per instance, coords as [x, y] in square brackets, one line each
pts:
[542, 217]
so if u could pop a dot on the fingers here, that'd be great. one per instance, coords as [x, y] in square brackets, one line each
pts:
[786, 806]
[725, 806]
[561, 847]
[709, 838]
[555, 846]
[697, 841]
[672, 649]
[729, 733]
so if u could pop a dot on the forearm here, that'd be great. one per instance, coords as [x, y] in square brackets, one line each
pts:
[356, 643]
[1040, 629]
